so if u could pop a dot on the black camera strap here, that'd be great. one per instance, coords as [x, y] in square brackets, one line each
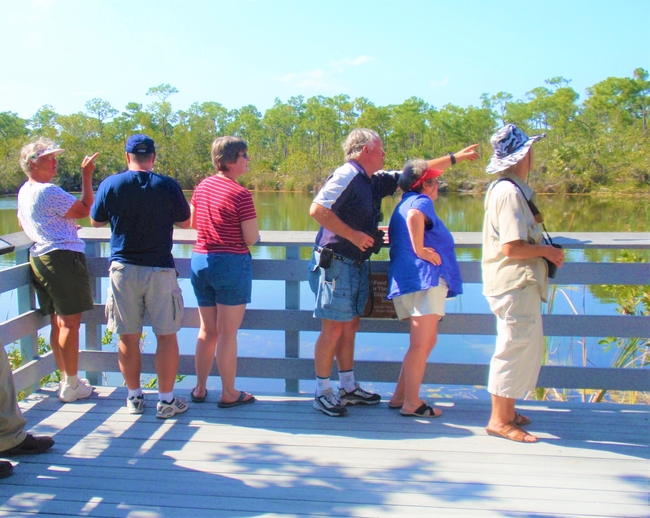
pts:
[533, 208]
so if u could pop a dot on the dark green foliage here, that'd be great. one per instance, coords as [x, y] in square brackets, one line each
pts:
[599, 145]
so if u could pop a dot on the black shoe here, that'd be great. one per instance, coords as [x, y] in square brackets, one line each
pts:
[358, 396]
[30, 446]
[329, 404]
[6, 468]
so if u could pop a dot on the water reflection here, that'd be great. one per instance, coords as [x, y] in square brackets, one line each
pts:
[461, 213]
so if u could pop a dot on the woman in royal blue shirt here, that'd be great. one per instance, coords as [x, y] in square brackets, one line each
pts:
[423, 273]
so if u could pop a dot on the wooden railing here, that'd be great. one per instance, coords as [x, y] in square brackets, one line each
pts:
[291, 269]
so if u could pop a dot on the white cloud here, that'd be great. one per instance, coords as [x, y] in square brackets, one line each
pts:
[324, 78]
[435, 84]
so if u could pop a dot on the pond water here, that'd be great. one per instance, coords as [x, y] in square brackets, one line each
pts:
[461, 213]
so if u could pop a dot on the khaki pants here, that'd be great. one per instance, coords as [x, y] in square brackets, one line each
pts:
[517, 359]
[12, 422]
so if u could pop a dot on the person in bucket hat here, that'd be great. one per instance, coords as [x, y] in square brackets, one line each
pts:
[515, 280]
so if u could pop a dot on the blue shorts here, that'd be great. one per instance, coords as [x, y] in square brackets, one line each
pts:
[341, 290]
[222, 279]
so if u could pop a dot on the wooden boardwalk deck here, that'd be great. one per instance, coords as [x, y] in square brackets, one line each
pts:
[281, 457]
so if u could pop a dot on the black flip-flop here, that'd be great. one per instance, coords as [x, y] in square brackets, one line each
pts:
[423, 410]
[394, 407]
[196, 399]
[240, 401]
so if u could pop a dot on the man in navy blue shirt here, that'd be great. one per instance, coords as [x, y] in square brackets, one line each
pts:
[142, 208]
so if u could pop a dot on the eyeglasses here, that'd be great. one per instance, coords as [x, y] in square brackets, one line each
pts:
[244, 155]
[432, 181]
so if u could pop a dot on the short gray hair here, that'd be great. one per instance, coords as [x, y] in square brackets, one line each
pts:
[29, 152]
[413, 169]
[357, 140]
[225, 150]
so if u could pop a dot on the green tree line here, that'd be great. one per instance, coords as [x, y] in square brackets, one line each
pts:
[601, 144]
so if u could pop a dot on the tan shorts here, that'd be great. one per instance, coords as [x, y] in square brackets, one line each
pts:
[420, 303]
[62, 282]
[134, 290]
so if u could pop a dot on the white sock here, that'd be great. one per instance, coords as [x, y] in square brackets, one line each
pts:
[346, 378]
[72, 381]
[167, 397]
[135, 393]
[63, 377]
[323, 384]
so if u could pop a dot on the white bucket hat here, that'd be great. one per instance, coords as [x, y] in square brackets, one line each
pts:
[510, 146]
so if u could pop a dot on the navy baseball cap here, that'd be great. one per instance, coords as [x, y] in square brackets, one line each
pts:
[139, 144]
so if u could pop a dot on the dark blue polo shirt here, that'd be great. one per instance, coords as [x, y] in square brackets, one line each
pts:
[142, 207]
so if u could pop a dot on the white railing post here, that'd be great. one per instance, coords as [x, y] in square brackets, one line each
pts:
[93, 332]
[27, 302]
[292, 301]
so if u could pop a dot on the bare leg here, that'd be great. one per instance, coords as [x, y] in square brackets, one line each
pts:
[503, 413]
[423, 338]
[206, 345]
[345, 345]
[129, 359]
[69, 342]
[54, 343]
[166, 361]
[229, 318]
[328, 344]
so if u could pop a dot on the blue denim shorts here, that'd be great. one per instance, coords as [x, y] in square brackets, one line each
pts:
[341, 290]
[222, 279]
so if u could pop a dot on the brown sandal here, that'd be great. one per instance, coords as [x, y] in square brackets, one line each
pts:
[521, 420]
[510, 432]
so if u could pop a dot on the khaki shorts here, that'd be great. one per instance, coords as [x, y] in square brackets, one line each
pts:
[134, 290]
[62, 282]
[420, 303]
[517, 359]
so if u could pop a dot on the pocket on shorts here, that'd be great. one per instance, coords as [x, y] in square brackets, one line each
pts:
[520, 329]
[178, 305]
[335, 283]
[109, 312]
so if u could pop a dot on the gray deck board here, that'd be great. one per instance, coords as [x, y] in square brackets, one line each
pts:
[280, 457]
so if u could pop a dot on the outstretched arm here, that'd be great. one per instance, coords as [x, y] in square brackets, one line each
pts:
[469, 153]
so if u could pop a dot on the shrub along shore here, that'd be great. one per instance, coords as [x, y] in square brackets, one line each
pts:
[598, 145]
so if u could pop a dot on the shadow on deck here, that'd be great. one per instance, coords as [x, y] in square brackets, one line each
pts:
[279, 456]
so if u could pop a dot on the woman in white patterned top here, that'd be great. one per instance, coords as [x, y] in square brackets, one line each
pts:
[47, 215]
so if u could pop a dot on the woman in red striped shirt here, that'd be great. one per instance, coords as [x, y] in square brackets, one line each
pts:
[225, 220]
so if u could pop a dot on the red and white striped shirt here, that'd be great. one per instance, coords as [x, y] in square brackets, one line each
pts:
[220, 205]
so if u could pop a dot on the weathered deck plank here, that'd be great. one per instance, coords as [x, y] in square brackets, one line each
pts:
[280, 457]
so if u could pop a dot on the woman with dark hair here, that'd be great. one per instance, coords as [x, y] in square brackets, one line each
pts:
[423, 273]
[225, 220]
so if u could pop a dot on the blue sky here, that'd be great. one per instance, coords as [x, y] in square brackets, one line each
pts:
[66, 52]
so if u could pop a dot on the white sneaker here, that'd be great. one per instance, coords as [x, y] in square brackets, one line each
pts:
[165, 410]
[135, 404]
[68, 394]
